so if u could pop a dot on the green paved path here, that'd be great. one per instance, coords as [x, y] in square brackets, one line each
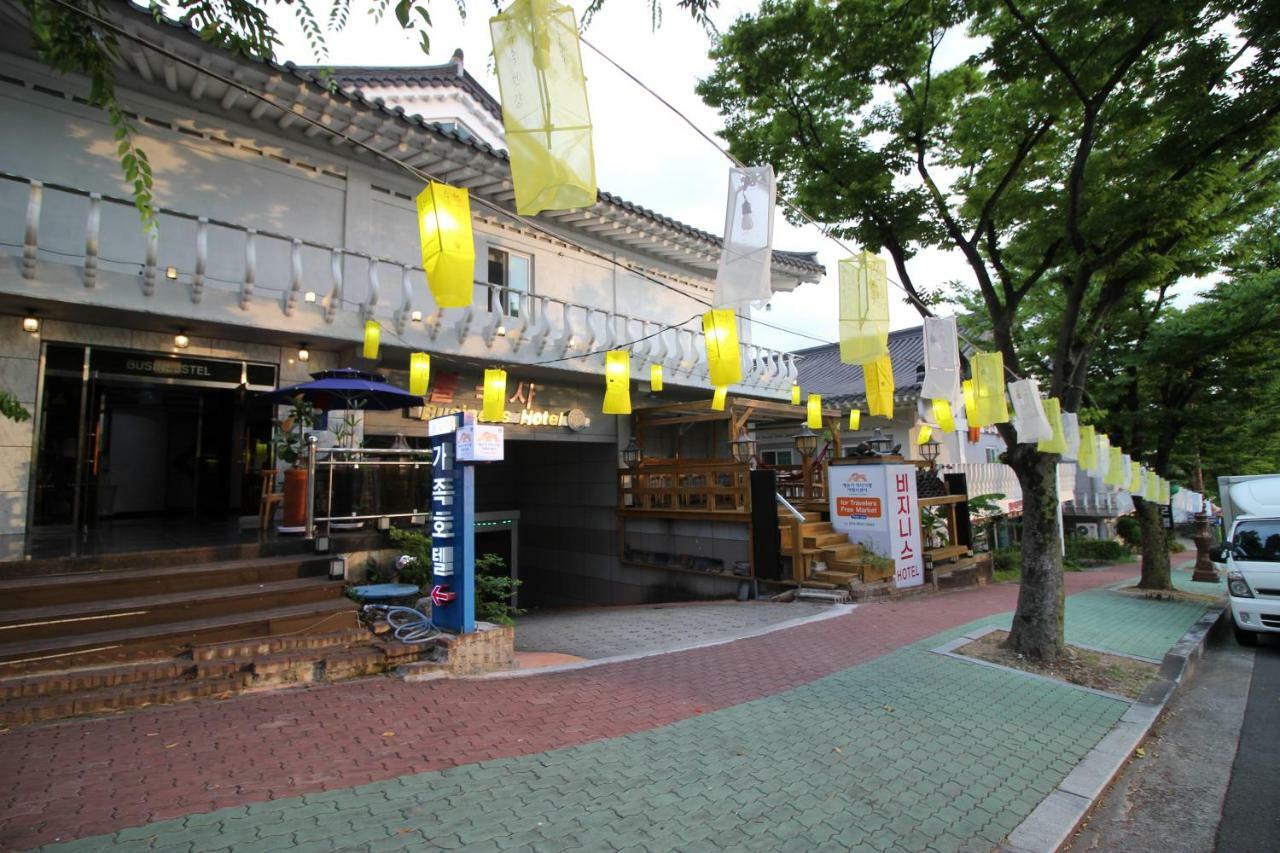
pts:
[911, 751]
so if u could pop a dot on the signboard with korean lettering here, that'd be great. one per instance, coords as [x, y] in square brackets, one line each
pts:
[452, 529]
[876, 506]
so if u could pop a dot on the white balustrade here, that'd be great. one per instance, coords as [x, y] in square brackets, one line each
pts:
[541, 322]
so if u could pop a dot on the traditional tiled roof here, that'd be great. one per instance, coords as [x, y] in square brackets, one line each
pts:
[803, 265]
[822, 371]
[445, 76]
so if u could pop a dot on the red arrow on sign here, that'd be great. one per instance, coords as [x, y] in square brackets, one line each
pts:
[439, 595]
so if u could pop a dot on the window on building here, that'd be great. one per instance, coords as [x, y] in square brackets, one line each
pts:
[777, 457]
[993, 455]
[513, 272]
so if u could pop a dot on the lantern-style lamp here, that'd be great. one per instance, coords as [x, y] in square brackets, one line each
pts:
[632, 454]
[806, 441]
[419, 373]
[495, 394]
[372, 338]
[879, 443]
[930, 451]
[743, 447]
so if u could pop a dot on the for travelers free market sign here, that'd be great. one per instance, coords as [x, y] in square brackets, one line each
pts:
[876, 506]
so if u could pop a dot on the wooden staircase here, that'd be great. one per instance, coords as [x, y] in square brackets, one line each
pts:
[155, 629]
[845, 561]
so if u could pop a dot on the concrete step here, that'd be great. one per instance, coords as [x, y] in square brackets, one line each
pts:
[85, 588]
[87, 617]
[174, 638]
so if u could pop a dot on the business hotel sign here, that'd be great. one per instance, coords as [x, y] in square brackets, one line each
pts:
[876, 506]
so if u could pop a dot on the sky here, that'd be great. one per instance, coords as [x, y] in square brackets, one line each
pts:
[644, 153]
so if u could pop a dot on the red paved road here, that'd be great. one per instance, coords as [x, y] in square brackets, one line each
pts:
[76, 779]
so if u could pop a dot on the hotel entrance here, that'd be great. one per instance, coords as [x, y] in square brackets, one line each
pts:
[130, 437]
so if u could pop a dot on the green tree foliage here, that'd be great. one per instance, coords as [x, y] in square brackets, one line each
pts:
[10, 407]
[1073, 153]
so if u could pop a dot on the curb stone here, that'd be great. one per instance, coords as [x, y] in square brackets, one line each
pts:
[1052, 822]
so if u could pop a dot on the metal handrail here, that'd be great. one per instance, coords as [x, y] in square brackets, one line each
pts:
[786, 504]
[313, 462]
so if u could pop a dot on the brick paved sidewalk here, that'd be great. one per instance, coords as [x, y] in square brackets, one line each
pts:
[731, 742]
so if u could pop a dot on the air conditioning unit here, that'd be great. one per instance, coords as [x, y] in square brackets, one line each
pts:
[1087, 531]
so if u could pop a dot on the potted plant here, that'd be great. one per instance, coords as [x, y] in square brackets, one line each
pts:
[289, 440]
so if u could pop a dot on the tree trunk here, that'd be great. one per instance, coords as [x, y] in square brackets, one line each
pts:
[1038, 622]
[1155, 556]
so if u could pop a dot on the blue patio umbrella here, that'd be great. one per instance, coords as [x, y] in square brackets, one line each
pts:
[347, 388]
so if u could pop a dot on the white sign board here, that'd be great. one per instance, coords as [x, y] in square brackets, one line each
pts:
[479, 443]
[876, 507]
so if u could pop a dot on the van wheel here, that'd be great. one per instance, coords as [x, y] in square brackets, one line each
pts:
[1243, 637]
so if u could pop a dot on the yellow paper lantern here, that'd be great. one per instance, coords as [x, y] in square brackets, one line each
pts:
[1135, 478]
[970, 402]
[1116, 473]
[855, 419]
[717, 402]
[724, 362]
[988, 390]
[617, 382]
[419, 373]
[878, 376]
[814, 411]
[495, 395]
[655, 377]
[1057, 443]
[1150, 485]
[864, 309]
[1088, 457]
[926, 433]
[795, 395]
[544, 106]
[372, 337]
[448, 248]
[942, 414]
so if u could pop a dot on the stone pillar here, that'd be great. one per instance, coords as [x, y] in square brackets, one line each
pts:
[19, 366]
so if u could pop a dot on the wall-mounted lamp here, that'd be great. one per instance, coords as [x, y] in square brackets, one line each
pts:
[309, 297]
[31, 323]
[415, 316]
[171, 273]
[304, 354]
[501, 331]
[338, 568]
[180, 340]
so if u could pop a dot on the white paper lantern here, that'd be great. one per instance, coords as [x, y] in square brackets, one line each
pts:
[1028, 412]
[747, 255]
[1071, 432]
[941, 359]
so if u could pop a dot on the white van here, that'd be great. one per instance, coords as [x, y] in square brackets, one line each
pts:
[1252, 554]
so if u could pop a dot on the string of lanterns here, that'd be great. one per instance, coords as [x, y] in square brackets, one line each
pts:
[548, 130]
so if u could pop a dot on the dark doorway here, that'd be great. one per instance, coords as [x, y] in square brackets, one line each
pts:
[115, 448]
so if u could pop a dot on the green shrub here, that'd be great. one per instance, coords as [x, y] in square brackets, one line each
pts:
[1130, 531]
[1095, 549]
[1006, 564]
[494, 586]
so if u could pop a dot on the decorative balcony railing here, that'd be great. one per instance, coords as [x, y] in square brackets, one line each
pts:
[94, 234]
[673, 487]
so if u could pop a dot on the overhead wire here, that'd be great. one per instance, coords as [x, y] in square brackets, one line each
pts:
[419, 173]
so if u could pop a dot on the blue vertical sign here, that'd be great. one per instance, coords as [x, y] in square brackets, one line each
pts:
[453, 565]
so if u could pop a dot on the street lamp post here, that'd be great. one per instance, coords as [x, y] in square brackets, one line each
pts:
[1204, 570]
[806, 442]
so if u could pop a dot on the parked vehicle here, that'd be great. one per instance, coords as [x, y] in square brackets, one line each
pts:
[1251, 519]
